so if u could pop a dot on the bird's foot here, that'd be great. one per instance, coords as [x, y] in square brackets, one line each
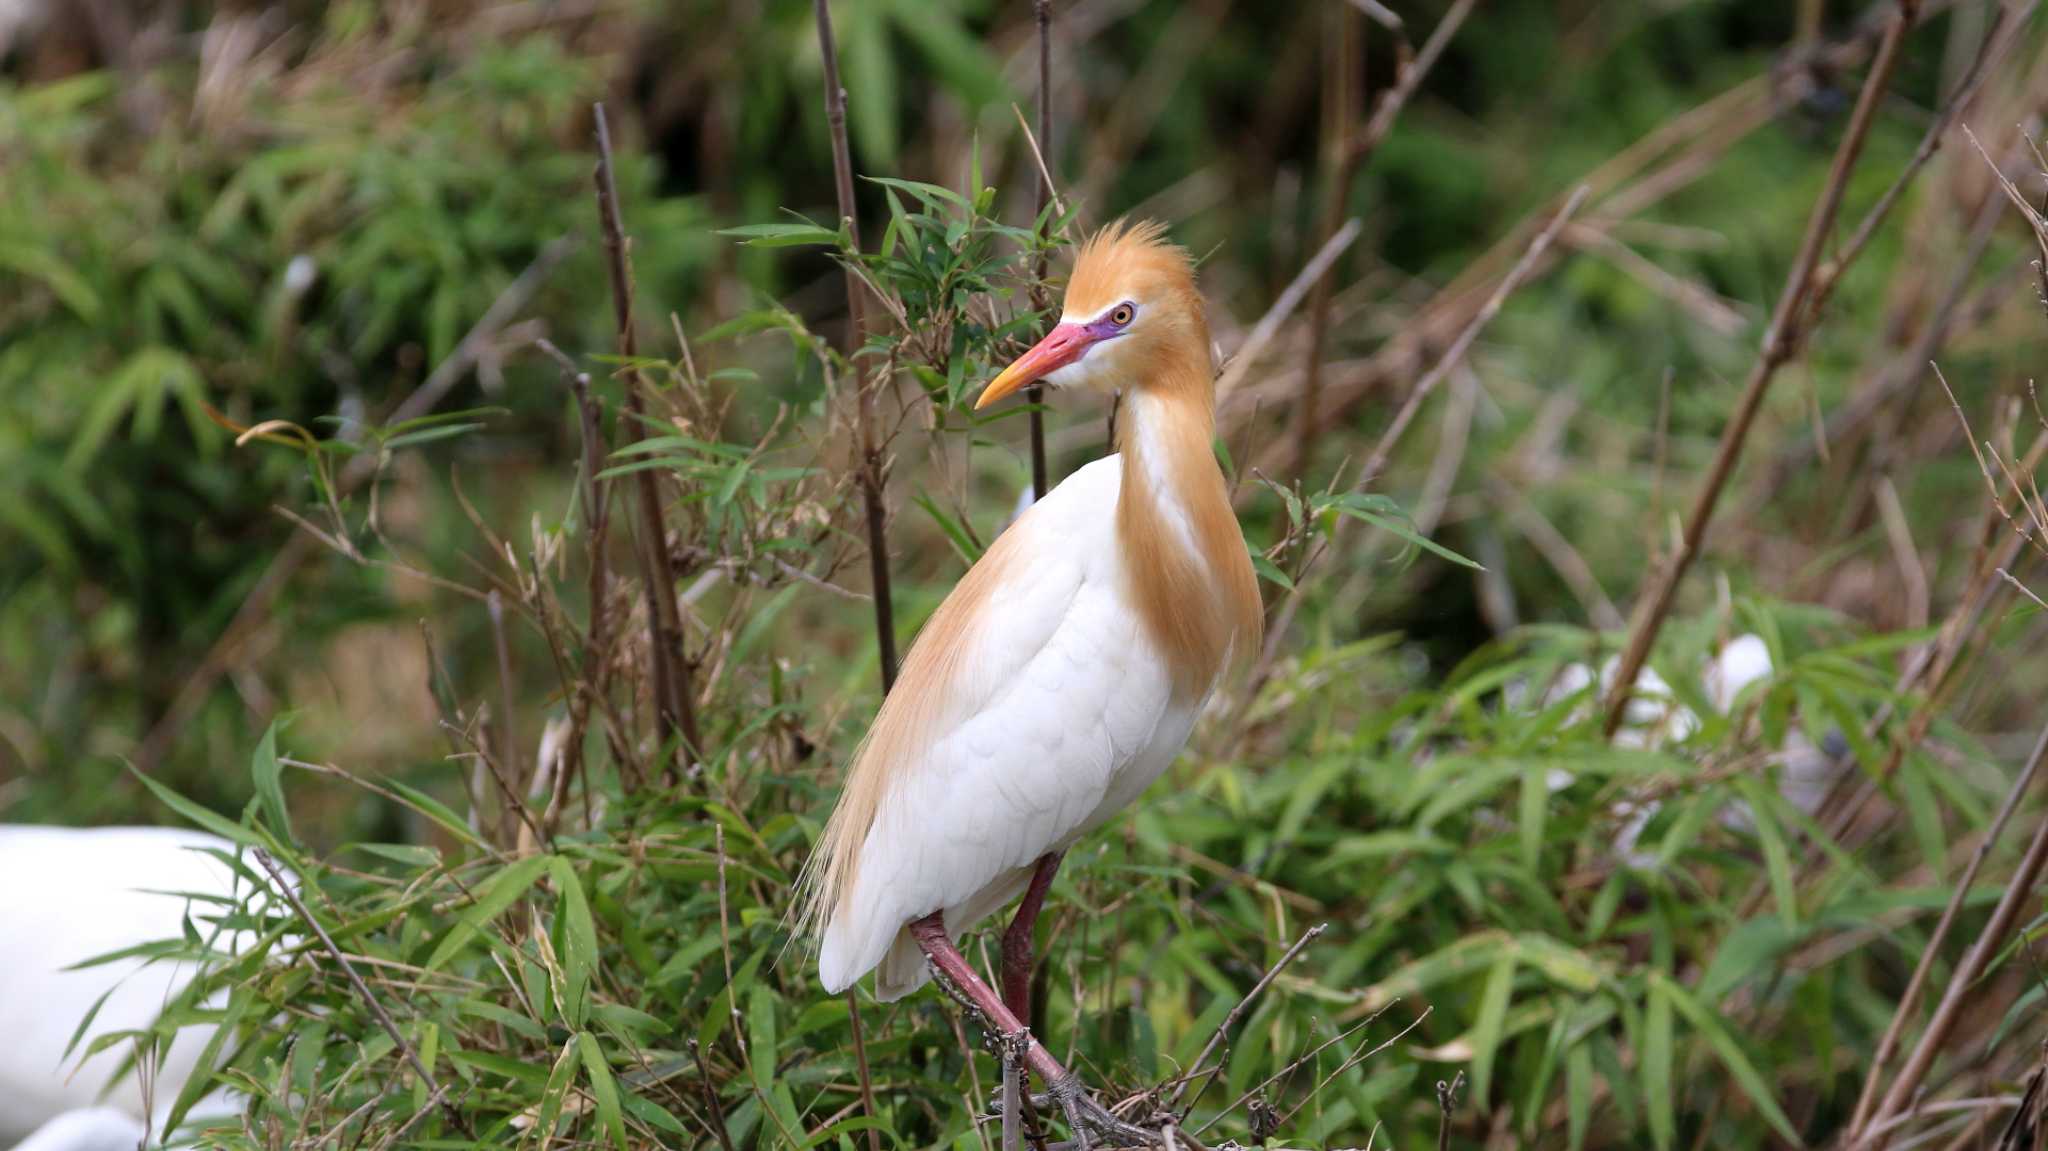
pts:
[1087, 1117]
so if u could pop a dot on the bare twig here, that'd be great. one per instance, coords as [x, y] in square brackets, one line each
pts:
[508, 738]
[2018, 893]
[1909, 1000]
[1780, 344]
[711, 1097]
[1040, 144]
[596, 502]
[362, 990]
[1384, 447]
[860, 1061]
[1262, 333]
[1446, 1105]
[1237, 1012]
[869, 469]
[674, 702]
[1351, 153]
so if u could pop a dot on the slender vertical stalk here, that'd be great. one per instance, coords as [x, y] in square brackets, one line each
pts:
[1042, 195]
[508, 737]
[2018, 893]
[1342, 159]
[860, 1062]
[596, 504]
[674, 702]
[2021, 784]
[1350, 153]
[870, 464]
[1781, 343]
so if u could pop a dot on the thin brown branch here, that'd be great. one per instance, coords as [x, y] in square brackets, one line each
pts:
[1997, 39]
[508, 732]
[860, 1062]
[869, 468]
[1384, 447]
[711, 1097]
[1312, 273]
[1041, 192]
[362, 990]
[675, 704]
[1237, 1012]
[596, 503]
[1781, 342]
[1909, 1000]
[2018, 893]
[1351, 154]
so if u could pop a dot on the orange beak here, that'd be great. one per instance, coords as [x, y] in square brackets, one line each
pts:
[1060, 347]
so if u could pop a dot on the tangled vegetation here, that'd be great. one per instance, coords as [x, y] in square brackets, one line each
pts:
[518, 837]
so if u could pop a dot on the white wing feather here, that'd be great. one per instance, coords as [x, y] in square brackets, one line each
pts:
[1064, 715]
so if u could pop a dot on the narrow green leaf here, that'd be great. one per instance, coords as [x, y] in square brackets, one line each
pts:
[1656, 1065]
[497, 893]
[1777, 855]
[578, 945]
[267, 774]
[603, 1088]
[212, 821]
[1708, 1024]
[1486, 1029]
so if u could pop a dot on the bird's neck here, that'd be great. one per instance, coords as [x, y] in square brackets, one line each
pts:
[1190, 575]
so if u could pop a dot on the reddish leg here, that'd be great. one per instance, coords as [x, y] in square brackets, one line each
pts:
[1017, 943]
[956, 976]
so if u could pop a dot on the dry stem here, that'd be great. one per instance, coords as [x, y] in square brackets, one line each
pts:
[1781, 342]
[675, 704]
[869, 470]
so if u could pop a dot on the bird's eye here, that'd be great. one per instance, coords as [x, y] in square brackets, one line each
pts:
[1123, 315]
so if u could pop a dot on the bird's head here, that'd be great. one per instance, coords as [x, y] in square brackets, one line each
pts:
[1131, 315]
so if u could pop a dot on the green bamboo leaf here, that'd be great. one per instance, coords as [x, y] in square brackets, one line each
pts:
[1656, 1065]
[1777, 855]
[561, 1081]
[1728, 1051]
[578, 945]
[497, 893]
[781, 236]
[1486, 1030]
[267, 773]
[1535, 807]
[603, 1088]
[1578, 1096]
[212, 821]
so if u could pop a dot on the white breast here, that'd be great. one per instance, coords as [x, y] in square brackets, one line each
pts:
[1068, 716]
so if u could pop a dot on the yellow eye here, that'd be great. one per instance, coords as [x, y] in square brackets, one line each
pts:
[1124, 314]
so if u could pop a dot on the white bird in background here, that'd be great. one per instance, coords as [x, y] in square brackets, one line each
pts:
[1655, 716]
[72, 895]
[1061, 676]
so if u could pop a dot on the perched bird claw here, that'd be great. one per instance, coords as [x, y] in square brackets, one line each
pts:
[1085, 1117]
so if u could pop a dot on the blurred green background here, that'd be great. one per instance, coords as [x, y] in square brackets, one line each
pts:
[296, 210]
[217, 215]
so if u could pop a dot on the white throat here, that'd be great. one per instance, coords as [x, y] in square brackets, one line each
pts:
[1144, 438]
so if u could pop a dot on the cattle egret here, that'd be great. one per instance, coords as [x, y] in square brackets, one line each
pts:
[1061, 676]
[73, 895]
[1655, 717]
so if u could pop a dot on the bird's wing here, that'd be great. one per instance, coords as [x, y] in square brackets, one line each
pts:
[1023, 698]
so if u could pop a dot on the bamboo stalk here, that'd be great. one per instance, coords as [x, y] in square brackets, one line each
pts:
[1781, 342]
[674, 702]
[869, 471]
[1349, 155]
[2018, 892]
[1042, 194]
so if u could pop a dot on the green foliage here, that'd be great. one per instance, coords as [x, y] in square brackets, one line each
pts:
[1616, 945]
